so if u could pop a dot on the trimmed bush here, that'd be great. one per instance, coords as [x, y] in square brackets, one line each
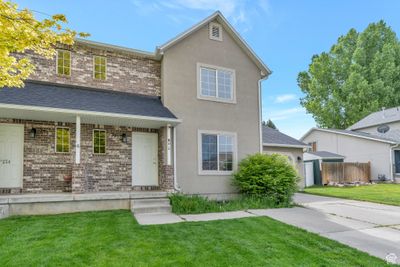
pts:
[269, 175]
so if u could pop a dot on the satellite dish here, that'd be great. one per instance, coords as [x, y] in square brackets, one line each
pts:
[383, 128]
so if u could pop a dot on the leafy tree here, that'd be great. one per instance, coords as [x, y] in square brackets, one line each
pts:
[20, 31]
[359, 75]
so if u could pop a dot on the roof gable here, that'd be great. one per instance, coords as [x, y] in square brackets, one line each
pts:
[228, 29]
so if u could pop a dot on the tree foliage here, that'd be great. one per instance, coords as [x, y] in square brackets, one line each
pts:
[270, 124]
[359, 75]
[20, 31]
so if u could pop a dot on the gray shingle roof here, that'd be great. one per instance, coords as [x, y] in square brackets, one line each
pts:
[86, 99]
[377, 118]
[382, 137]
[272, 136]
[325, 154]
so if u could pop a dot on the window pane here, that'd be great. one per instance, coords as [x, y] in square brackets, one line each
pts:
[208, 82]
[99, 141]
[209, 152]
[62, 140]
[63, 62]
[99, 68]
[225, 87]
[225, 144]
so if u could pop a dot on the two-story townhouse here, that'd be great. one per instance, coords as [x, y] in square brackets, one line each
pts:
[100, 118]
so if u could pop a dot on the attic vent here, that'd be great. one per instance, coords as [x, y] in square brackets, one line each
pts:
[215, 31]
[383, 128]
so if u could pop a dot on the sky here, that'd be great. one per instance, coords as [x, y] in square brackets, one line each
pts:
[285, 34]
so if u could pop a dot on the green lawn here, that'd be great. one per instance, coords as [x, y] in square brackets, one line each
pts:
[113, 238]
[380, 193]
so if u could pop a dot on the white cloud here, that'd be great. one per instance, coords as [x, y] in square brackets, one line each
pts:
[285, 98]
[240, 12]
[285, 113]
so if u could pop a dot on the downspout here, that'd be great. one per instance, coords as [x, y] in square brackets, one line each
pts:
[176, 187]
[260, 111]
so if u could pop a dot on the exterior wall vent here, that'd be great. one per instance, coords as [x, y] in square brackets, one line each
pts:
[215, 31]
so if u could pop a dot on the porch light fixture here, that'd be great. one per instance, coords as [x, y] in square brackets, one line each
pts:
[124, 138]
[32, 133]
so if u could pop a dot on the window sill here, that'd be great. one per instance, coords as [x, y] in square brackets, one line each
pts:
[214, 99]
[215, 173]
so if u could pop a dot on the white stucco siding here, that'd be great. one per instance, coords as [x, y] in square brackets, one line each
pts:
[355, 150]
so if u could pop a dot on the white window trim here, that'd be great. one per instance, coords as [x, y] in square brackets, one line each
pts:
[70, 63]
[200, 155]
[69, 139]
[94, 68]
[215, 98]
[210, 26]
[105, 141]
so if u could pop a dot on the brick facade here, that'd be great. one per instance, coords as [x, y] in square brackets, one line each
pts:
[48, 171]
[125, 72]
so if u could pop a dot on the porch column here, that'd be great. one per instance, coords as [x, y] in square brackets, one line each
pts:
[78, 171]
[168, 144]
[78, 140]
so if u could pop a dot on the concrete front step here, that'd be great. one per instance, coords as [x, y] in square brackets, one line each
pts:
[155, 205]
[151, 201]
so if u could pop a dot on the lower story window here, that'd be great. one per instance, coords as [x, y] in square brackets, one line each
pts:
[217, 152]
[62, 140]
[99, 141]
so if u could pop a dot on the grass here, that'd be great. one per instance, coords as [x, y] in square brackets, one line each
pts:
[379, 193]
[113, 238]
[184, 204]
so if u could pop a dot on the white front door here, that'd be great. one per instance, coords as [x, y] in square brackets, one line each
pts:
[11, 155]
[144, 159]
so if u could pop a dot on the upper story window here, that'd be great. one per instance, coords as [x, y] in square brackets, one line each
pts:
[99, 141]
[216, 83]
[99, 68]
[215, 31]
[62, 140]
[217, 152]
[64, 62]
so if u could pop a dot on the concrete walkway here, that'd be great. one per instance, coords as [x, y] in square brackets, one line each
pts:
[369, 227]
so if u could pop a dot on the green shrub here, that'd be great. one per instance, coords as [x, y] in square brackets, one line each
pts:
[270, 175]
[187, 204]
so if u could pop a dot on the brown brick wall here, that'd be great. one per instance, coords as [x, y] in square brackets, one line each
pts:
[125, 72]
[48, 171]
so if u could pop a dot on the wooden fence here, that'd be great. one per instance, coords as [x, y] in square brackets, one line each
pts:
[345, 172]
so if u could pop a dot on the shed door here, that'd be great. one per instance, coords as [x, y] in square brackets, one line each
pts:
[309, 173]
[144, 159]
[11, 155]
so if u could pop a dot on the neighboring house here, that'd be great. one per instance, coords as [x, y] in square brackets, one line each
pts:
[100, 117]
[375, 139]
[276, 142]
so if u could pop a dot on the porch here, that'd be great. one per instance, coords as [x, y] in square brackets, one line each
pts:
[57, 203]
[137, 143]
